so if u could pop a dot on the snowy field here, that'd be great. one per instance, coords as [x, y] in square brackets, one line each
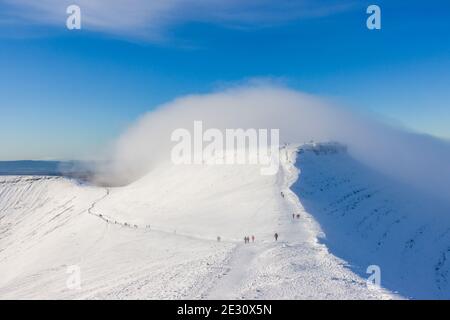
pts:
[157, 237]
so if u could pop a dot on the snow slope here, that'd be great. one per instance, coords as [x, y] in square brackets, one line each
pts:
[156, 238]
[369, 219]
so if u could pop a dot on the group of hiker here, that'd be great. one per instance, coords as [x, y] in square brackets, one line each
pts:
[247, 239]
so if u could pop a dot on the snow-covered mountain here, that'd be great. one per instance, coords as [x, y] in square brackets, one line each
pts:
[158, 237]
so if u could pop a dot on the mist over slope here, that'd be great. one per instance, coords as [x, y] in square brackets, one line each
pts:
[420, 160]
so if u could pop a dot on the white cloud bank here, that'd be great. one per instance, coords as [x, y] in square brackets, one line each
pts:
[420, 160]
[152, 18]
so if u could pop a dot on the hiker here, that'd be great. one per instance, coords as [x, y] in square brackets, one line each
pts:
[282, 194]
[253, 238]
[245, 239]
[298, 216]
[276, 236]
[218, 239]
[293, 216]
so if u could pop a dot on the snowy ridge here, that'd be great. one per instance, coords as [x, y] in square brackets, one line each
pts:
[156, 238]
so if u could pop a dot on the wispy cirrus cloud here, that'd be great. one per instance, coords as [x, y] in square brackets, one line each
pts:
[152, 19]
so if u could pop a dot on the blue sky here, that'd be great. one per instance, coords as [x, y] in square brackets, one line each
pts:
[64, 94]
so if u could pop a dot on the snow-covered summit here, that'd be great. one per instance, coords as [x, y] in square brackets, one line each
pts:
[323, 148]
